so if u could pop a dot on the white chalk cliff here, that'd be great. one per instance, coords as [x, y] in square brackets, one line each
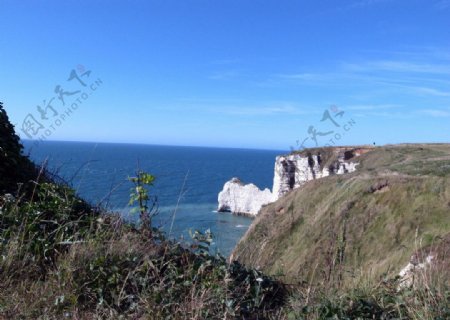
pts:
[291, 172]
[241, 198]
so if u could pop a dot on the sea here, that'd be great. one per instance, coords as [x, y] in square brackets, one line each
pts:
[188, 180]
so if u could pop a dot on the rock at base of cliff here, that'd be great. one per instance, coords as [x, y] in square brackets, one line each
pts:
[240, 198]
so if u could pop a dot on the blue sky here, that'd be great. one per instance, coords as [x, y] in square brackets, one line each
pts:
[235, 73]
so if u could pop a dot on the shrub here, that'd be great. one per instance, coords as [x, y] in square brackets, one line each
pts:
[14, 167]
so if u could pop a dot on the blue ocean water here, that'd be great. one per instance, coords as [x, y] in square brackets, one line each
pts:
[191, 177]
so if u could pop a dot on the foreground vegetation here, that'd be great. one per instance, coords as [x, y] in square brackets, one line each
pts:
[60, 258]
[56, 264]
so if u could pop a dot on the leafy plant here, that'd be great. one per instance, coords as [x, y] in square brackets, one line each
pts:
[147, 205]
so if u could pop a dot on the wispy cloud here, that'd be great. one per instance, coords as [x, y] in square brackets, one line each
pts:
[194, 100]
[312, 78]
[308, 76]
[418, 84]
[438, 113]
[430, 91]
[398, 66]
[263, 110]
[414, 75]
[373, 107]
[406, 113]
[225, 75]
[364, 3]
[385, 114]
[393, 111]
[240, 107]
[442, 4]
[413, 53]
[225, 61]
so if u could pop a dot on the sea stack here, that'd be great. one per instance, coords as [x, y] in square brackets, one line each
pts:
[245, 199]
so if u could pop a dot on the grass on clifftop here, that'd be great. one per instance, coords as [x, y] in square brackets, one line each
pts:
[343, 232]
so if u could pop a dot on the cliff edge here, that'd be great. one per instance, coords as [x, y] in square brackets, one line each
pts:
[365, 224]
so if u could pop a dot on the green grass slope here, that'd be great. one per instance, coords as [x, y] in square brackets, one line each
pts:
[358, 226]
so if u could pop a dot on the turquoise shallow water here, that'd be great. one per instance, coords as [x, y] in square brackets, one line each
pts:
[99, 173]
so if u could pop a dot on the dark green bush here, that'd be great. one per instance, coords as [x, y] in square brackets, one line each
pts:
[14, 167]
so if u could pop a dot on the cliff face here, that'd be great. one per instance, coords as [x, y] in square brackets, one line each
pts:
[291, 172]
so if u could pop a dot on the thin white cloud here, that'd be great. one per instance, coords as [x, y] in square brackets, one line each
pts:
[365, 3]
[428, 91]
[413, 53]
[412, 84]
[239, 107]
[225, 75]
[301, 76]
[225, 61]
[209, 100]
[442, 4]
[438, 113]
[385, 114]
[407, 75]
[398, 66]
[373, 107]
[263, 110]
[316, 78]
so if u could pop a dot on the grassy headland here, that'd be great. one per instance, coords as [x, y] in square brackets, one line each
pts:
[340, 233]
